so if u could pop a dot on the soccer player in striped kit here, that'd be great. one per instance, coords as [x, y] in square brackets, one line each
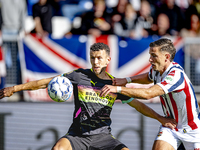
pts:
[176, 93]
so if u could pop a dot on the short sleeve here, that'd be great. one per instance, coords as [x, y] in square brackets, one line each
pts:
[174, 81]
[35, 11]
[73, 76]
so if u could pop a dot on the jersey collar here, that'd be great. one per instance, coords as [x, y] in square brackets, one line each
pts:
[106, 73]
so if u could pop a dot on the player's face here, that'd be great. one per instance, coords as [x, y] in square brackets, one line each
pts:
[99, 61]
[158, 59]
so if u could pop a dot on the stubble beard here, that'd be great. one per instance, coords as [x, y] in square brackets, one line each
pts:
[101, 71]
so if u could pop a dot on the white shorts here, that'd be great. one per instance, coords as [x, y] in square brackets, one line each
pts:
[190, 139]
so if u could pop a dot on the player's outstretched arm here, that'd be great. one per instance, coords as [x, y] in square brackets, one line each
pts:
[141, 79]
[32, 85]
[147, 111]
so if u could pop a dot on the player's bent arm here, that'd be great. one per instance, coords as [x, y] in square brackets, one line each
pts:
[143, 93]
[144, 109]
[147, 111]
[141, 79]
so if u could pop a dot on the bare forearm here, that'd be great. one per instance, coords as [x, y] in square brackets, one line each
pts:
[140, 93]
[32, 85]
[143, 93]
[147, 111]
[38, 26]
[142, 79]
[144, 109]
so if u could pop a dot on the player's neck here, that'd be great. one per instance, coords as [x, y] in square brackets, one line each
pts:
[104, 75]
[164, 68]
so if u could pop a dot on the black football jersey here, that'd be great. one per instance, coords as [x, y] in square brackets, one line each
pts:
[92, 113]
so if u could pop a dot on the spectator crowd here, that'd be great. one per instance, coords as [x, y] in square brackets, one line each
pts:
[126, 18]
[151, 18]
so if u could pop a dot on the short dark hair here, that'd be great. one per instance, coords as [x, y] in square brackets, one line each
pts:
[165, 45]
[100, 46]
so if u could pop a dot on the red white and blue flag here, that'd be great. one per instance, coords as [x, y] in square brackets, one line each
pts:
[47, 57]
[2, 69]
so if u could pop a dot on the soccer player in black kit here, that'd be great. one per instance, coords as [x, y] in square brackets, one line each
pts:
[90, 129]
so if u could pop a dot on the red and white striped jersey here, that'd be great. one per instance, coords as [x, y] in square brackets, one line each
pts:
[179, 101]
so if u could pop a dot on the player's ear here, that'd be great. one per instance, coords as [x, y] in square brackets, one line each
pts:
[167, 56]
[108, 60]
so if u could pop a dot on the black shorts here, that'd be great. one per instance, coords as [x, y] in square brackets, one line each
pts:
[101, 141]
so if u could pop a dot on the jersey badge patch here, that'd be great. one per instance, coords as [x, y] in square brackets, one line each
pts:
[184, 131]
[160, 133]
[169, 79]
